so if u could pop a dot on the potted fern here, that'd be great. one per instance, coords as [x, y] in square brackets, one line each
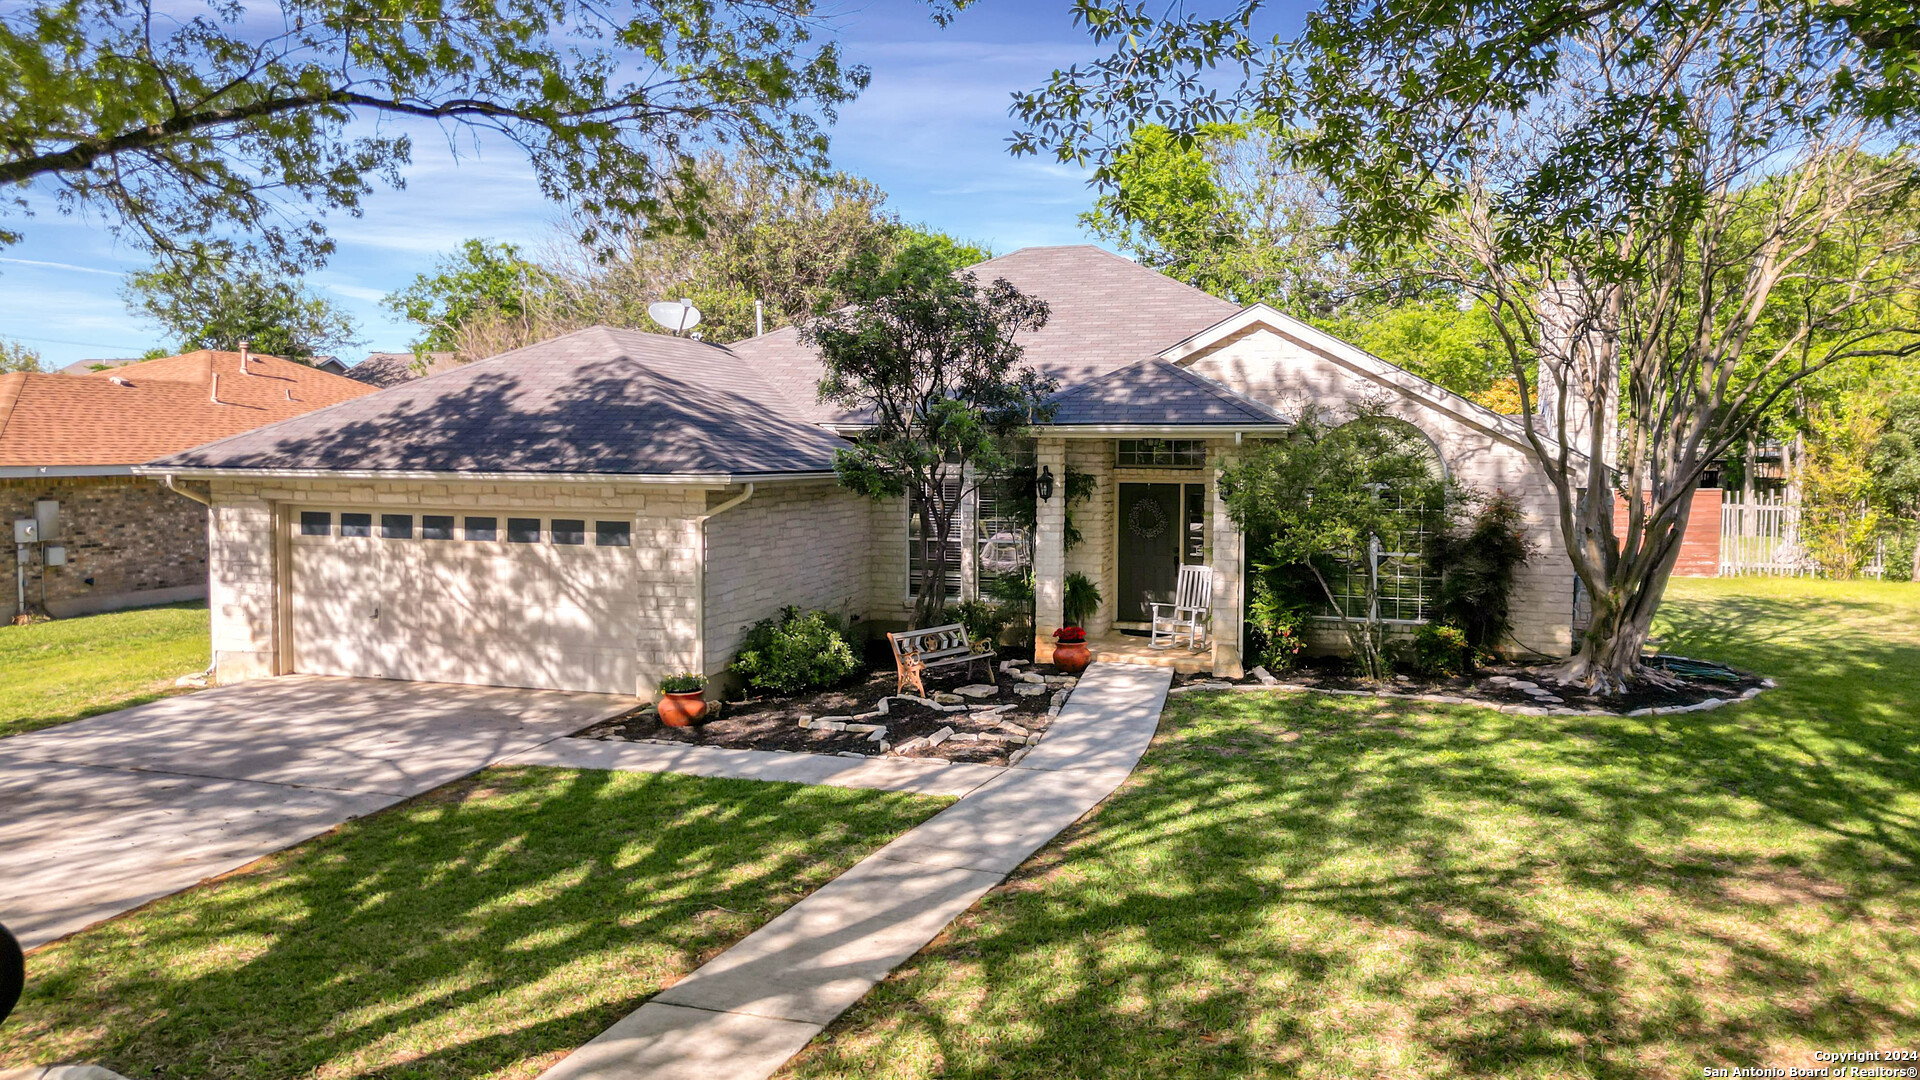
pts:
[682, 699]
[1080, 598]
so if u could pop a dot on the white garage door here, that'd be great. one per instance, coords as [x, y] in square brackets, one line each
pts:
[480, 597]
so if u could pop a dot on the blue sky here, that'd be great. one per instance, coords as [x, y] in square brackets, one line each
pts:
[931, 131]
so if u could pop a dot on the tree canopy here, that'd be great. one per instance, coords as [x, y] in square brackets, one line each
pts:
[1677, 211]
[784, 241]
[210, 307]
[17, 357]
[932, 364]
[482, 280]
[189, 125]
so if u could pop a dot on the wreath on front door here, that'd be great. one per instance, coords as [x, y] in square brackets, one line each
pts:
[1148, 518]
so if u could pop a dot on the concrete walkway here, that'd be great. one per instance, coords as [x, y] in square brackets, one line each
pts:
[744, 1013]
[104, 814]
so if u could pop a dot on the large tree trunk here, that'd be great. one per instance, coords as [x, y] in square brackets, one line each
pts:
[1609, 659]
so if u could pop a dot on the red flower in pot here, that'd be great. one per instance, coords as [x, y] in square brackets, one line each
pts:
[682, 699]
[1071, 655]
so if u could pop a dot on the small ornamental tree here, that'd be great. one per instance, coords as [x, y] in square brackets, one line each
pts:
[1327, 498]
[927, 359]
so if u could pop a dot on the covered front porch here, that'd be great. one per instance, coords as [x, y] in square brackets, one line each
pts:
[1119, 647]
[1145, 447]
[1154, 508]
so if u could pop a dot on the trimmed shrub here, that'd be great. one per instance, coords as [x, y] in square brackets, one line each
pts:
[1442, 650]
[795, 652]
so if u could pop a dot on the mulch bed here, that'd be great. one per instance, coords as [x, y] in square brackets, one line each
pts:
[772, 723]
[1518, 687]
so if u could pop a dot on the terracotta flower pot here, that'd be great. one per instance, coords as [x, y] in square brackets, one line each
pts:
[1072, 657]
[680, 710]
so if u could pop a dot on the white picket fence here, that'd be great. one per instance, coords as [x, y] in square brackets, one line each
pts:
[1763, 537]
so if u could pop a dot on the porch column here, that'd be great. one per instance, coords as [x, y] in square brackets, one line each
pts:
[1049, 548]
[1229, 550]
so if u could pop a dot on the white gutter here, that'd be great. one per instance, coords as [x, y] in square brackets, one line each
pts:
[689, 479]
[700, 575]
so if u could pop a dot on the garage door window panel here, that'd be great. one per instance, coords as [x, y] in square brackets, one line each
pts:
[569, 531]
[396, 526]
[613, 533]
[353, 525]
[316, 523]
[523, 530]
[436, 527]
[482, 529]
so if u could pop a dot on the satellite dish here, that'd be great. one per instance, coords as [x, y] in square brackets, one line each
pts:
[679, 318]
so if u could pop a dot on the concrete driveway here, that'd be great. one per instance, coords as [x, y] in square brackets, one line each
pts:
[104, 814]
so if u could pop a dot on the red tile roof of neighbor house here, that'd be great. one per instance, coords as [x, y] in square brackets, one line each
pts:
[138, 412]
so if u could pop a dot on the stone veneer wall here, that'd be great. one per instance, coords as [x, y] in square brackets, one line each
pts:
[800, 544]
[245, 589]
[129, 541]
[1289, 375]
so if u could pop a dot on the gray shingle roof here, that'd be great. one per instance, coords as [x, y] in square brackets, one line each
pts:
[596, 401]
[1158, 393]
[384, 369]
[1107, 312]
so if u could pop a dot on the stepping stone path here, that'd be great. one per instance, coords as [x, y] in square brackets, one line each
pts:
[978, 690]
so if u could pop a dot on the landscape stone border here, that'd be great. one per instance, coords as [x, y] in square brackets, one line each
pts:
[1511, 708]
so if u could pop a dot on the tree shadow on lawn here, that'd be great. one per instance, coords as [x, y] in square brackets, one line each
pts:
[485, 929]
[1298, 885]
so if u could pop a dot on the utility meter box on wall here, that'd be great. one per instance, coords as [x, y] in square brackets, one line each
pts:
[26, 531]
[56, 554]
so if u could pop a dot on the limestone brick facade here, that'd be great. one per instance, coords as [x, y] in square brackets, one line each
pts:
[803, 544]
[1290, 375]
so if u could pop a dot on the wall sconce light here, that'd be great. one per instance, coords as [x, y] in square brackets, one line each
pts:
[1044, 485]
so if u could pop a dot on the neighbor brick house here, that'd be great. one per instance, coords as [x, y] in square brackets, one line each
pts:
[72, 440]
[599, 510]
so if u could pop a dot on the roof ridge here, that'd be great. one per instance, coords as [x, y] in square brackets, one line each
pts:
[11, 383]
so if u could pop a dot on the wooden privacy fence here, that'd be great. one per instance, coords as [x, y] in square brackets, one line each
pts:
[1763, 537]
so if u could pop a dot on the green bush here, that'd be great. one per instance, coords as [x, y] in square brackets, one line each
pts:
[1014, 594]
[983, 619]
[1277, 611]
[1275, 641]
[1478, 567]
[795, 652]
[1442, 650]
[683, 683]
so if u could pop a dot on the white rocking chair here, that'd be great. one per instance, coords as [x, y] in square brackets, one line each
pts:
[1190, 612]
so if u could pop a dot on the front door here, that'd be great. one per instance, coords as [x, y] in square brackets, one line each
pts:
[1151, 525]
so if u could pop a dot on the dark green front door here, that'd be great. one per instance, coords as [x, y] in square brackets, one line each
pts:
[1151, 525]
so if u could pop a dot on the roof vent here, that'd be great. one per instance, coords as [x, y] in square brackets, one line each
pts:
[118, 381]
[243, 356]
[213, 389]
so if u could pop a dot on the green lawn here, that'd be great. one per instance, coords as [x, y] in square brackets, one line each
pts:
[1310, 886]
[52, 672]
[483, 930]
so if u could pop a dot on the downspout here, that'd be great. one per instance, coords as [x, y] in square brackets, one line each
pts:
[167, 481]
[700, 576]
